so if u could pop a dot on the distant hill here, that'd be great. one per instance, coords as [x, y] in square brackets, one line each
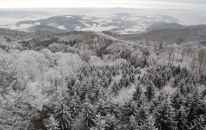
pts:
[162, 25]
[185, 34]
[45, 29]
[122, 23]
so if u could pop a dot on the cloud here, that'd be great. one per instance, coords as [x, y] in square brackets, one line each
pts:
[165, 4]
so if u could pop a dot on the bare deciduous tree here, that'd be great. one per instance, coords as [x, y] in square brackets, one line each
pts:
[201, 59]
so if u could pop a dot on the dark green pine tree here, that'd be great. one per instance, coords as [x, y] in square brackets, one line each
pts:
[181, 118]
[63, 116]
[150, 123]
[115, 88]
[196, 111]
[150, 92]
[178, 102]
[138, 120]
[138, 93]
[143, 120]
[165, 115]
[85, 120]
[138, 96]
[177, 99]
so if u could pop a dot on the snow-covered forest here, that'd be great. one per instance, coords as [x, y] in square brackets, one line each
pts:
[103, 81]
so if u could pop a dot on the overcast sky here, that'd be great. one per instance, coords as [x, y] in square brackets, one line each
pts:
[165, 4]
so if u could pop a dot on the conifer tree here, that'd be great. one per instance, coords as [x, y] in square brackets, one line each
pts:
[165, 115]
[150, 93]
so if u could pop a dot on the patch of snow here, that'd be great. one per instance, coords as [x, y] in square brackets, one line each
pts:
[168, 89]
[57, 26]
[61, 27]
[78, 28]
[86, 24]
[94, 60]
[69, 16]
[21, 27]
[37, 23]
[125, 95]
[98, 28]
[87, 18]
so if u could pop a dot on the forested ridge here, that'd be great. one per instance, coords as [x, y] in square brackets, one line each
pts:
[94, 81]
